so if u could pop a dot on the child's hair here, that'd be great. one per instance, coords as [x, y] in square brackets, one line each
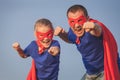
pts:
[44, 22]
[75, 8]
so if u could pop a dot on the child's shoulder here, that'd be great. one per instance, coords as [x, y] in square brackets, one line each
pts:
[33, 43]
[55, 42]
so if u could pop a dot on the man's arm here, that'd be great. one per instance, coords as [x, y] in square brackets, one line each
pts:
[59, 31]
[97, 31]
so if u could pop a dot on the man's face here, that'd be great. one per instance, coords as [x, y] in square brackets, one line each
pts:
[76, 21]
[44, 35]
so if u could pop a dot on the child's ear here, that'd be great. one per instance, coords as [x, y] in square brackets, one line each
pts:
[35, 34]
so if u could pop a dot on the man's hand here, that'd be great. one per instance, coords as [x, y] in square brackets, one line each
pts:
[54, 50]
[58, 30]
[93, 28]
[88, 26]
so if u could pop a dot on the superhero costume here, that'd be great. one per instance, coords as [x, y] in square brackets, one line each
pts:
[111, 70]
[47, 64]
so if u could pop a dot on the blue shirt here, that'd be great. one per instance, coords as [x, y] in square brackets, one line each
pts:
[47, 66]
[92, 51]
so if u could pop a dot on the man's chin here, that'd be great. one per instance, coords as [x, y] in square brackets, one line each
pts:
[79, 34]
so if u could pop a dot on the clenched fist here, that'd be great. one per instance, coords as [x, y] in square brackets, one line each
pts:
[88, 26]
[58, 30]
[16, 45]
[54, 50]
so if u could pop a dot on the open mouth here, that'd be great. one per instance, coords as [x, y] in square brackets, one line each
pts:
[78, 28]
[46, 41]
[79, 31]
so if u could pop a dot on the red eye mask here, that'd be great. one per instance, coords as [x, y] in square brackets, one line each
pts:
[41, 36]
[80, 20]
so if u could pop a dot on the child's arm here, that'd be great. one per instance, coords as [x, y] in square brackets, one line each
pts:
[54, 50]
[17, 47]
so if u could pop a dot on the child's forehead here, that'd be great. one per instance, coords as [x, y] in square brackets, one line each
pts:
[43, 28]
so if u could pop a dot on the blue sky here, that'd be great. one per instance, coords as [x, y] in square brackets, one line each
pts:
[17, 18]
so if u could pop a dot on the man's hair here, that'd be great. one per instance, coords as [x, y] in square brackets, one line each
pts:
[43, 21]
[77, 7]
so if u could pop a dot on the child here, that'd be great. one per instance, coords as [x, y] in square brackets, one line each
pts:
[44, 51]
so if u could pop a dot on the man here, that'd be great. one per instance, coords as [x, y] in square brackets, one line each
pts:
[93, 41]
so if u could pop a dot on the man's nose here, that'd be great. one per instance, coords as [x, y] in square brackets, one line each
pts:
[77, 25]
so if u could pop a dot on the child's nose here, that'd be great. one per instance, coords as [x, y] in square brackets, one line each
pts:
[46, 38]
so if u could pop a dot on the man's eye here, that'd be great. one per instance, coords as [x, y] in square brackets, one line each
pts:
[79, 20]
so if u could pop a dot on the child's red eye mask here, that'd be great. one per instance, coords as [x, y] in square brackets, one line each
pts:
[80, 20]
[41, 36]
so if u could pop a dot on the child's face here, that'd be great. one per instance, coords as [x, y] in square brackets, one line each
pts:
[76, 21]
[44, 35]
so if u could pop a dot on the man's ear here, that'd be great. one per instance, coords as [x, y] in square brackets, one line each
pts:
[88, 18]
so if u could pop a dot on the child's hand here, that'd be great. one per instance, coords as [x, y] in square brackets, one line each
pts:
[54, 50]
[58, 30]
[16, 45]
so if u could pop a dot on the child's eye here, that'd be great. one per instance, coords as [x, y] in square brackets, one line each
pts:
[72, 22]
[40, 36]
[50, 34]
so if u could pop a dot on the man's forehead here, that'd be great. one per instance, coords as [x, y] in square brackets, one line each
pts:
[75, 14]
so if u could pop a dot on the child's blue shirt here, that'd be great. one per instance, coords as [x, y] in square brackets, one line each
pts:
[47, 66]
